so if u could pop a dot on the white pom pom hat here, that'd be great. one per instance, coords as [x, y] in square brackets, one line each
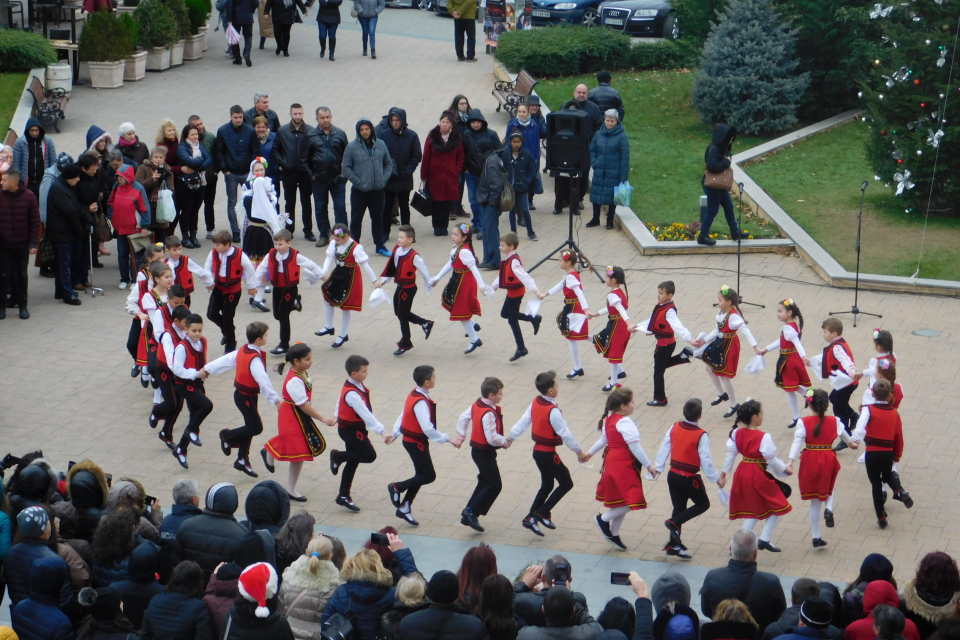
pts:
[258, 583]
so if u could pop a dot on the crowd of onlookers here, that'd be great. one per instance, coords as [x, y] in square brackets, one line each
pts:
[87, 556]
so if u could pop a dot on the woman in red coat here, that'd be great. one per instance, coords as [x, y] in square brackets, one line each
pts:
[441, 167]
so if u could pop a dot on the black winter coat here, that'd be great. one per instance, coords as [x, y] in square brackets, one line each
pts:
[324, 154]
[273, 120]
[716, 156]
[282, 14]
[289, 147]
[606, 97]
[759, 590]
[490, 185]
[404, 148]
[136, 597]
[66, 218]
[244, 625]
[328, 12]
[87, 485]
[521, 170]
[176, 616]
[209, 539]
[442, 622]
[235, 147]
[241, 11]
[528, 605]
[471, 141]
[19, 218]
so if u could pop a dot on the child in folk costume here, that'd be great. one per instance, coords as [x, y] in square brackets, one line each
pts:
[664, 324]
[688, 447]
[258, 196]
[515, 280]
[167, 340]
[299, 439]
[136, 339]
[402, 267]
[722, 354]
[885, 369]
[550, 430]
[229, 266]
[754, 493]
[251, 380]
[881, 430]
[620, 487]
[354, 417]
[791, 373]
[573, 302]
[460, 294]
[342, 284]
[611, 343]
[185, 268]
[486, 436]
[818, 462]
[282, 267]
[883, 344]
[417, 425]
[838, 358]
[189, 359]
[158, 304]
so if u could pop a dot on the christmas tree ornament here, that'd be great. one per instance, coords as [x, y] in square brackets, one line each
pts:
[934, 138]
[903, 181]
[919, 152]
[880, 12]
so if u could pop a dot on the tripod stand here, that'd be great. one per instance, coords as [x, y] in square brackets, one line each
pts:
[574, 195]
[855, 310]
[739, 241]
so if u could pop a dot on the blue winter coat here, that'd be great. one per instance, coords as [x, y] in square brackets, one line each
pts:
[368, 600]
[177, 616]
[18, 562]
[235, 147]
[173, 520]
[38, 617]
[265, 151]
[186, 159]
[610, 159]
[521, 171]
[531, 136]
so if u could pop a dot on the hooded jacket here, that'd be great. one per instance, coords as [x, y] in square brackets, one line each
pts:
[36, 486]
[926, 610]
[39, 616]
[126, 207]
[473, 160]
[19, 218]
[24, 147]
[369, 8]
[87, 486]
[171, 523]
[17, 564]
[367, 163]
[490, 185]
[521, 170]
[404, 148]
[136, 152]
[219, 597]
[67, 220]
[141, 587]
[443, 164]
[531, 135]
[94, 136]
[877, 592]
[305, 617]
[716, 154]
[213, 536]
[324, 154]
[610, 160]
[267, 507]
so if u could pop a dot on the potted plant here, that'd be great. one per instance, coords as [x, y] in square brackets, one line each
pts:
[204, 28]
[104, 43]
[182, 18]
[134, 65]
[158, 32]
[197, 13]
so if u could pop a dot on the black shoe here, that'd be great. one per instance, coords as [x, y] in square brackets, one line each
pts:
[657, 403]
[604, 528]
[325, 332]
[298, 303]
[373, 54]
[828, 518]
[296, 498]
[468, 518]
[394, 495]
[536, 324]
[766, 546]
[674, 533]
[237, 61]
[609, 225]
[223, 443]
[531, 523]
[574, 374]
[135, 371]
[595, 222]
[720, 399]
[167, 440]
[153, 420]
[249, 64]
[334, 465]
[732, 412]
[532, 208]
[407, 517]
[882, 522]
[194, 439]
[904, 497]
[819, 542]
[686, 354]
[144, 382]
[277, 52]
[793, 424]
[266, 460]
[332, 58]
[282, 348]
[519, 354]
[400, 351]
[427, 328]
[223, 341]
[884, 496]
[245, 467]
[257, 304]
[473, 346]
[545, 521]
[73, 301]
[557, 212]
[532, 237]
[608, 387]
[322, 54]
[181, 456]
[706, 241]
[679, 552]
[339, 342]
[621, 375]
[97, 264]
[236, 237]
[308, 235]
[840, 446]
[618, 543]
[345, 501]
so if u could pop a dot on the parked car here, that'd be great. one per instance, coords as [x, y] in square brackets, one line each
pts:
[585, 12]
[641, 18]
[424, 5]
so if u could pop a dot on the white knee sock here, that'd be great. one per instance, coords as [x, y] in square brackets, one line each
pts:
[145, 374]
[328, 315]
[575, 354]
[293, 474]
[615, 512]
[616, 522]
[620, 368]
[261, 290]
[471, 332]
[769, 527]
[794, 404]
[614, 372]
[815, 518]
[157, 396]
[728, 389]
[715, 379]
[750, 523]
[830, 502]
[345, 329]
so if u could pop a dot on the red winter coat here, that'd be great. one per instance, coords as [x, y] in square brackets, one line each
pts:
[19, 218]
[442, 165]
[878, 592]
[127, 205]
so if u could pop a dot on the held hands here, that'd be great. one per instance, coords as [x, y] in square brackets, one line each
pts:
[203, 374]
[758, 350]
[542, 296]
[789, 468]
[388, 438]
[330, 422]
[583, 457]
[857, 376]
[806, 361]
[592, 314]
[509, 442]
[653, 472]
[252, 291]
[638, 586]
[722, 481]
[142, 316]
[379, 284]
[854, 445]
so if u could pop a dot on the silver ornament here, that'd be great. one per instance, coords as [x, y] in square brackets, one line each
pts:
[903, 181]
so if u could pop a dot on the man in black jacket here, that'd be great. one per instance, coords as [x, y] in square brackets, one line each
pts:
[605, 96]
[66, 221]
[213, 536]
[740, 579]
[441, 620]
[240, 14]
[261, 107]
[406, 151]
[322, 159]
[287, 150]
[236, 145]
[528, 604]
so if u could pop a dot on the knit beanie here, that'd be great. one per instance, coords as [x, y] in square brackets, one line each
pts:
[222, 498]
[604, 76]
[32, 522]
[63, 159]
[816, 613]
[444, 587]
[70, 171]
[126, 127]
[258, 583]
[876, 567]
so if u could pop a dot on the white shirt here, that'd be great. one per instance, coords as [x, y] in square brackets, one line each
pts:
[132, 305]
[257, 370]
[869, 398]
[613, 300]
[791, 335]
[149, 304]
[180, 359]
[871, 370]
[767, 449]
[736, 323]
[249, 275]
[418, 263]
[355, 401]
[311, 271]
[469, 261]
[703, 448]
[800, 436]
[194, 268]
[489, 425]
[521, 274]
[358, 254]
[556, 421]
[571, 282]
[631, 435]
[297, 390]
[673, 320]
[422, 411]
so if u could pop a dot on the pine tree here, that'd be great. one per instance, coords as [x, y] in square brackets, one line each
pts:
[746, 76]
[909, 103]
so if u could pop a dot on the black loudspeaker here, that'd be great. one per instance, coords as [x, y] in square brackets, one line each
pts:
[568, 141]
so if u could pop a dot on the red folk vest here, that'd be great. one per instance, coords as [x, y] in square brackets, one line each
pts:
[231, 283]
[614, 438]
[182, 275]
[570, 296]
[882, 428]
[194, 360]
[346, 416]
[403, 271]
[684, 449]
[478, 439]
[623, 301]
[661, 329]
[162, 352]
[830, 362]
[785, 345]
[409, 424]
[306, 385]
[290, 277]
[244, 382]
[544, 437]
[509, 280]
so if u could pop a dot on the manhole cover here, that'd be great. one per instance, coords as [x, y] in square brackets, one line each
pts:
[927, 333]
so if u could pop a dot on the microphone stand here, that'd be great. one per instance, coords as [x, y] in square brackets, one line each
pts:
[739, 241]
[574, 178]
[855, 310]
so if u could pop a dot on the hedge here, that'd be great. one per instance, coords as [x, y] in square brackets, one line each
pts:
[21, 51]
[571, 50]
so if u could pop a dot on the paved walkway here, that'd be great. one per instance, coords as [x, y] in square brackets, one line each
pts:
[66, 386]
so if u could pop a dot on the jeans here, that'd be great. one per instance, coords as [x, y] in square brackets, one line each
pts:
[209, 199]
[321, 195]
[491, 235]
[247, 31]
[522, 207]
[292, 181]
[13, 268]
[475, 208]
[327, 30]
[69, 266]
[360, 201]
[715, 199]
[369, 28]
[123, 257]
[232, 182]
[461, 27]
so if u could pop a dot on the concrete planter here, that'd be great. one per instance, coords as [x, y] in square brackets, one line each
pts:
[106, 75]
[158, 59]
[193, 48]
[125, 9]
[203, 32]
[176, 53]
[135, 67]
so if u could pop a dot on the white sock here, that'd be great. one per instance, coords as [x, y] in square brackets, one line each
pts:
[830, 502]
[405, 507]
[616, 522]
[615, 512]
[345, 329]
[750, 523]
[620, 368]
[471, 332]
[815, 517]
[157, 396]
[293, 474]
[144, 373]
[769, 527]
[328, 314]
[614, 371]
[715, 379]
[794, 404]
[575, 354]
[728, 389]
[260, 293]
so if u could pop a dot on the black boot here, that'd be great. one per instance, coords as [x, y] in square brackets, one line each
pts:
[610, 218]
[263, 41]
[373, 53]
[333, 47]
[323, 47]
[594, 221]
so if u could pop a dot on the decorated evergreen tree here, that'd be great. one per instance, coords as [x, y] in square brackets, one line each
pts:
[746, 76]
[911, 97]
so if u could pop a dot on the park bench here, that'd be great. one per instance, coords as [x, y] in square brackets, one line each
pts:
[512, 94]
[48, 103]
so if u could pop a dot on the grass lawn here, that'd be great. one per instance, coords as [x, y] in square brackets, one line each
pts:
[667, 142]
[11, 86]
[817, 181]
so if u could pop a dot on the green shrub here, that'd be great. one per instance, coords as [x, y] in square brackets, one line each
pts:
[181, 16]
[197, 11]
[105, 38]
[21, 51]
[158, 27]
[696, 16]
[568, 50]
[132, 26]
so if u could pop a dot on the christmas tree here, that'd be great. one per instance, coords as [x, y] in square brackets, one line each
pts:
[911, 97]
[746, 76]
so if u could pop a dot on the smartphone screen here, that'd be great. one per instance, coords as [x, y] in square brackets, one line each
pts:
[561, 573]
[619, 578]
[379, 538]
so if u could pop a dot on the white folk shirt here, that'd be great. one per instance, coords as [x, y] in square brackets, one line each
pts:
[556, 421]
[297, 390]
[521, 274]
[673, 320]
[180, 359]
[418, 262]
[168, 349]
[257, 370]
[311, 270]
[494, 439]
[571, 282]
[359, 255]
[613, 300]
[703, 448]
[422, 410]
[736, 323]
[767, 449]
[249, 275]
[791, 335]
[194, 268]
[469, 261]
[355, 401]
[631, 435]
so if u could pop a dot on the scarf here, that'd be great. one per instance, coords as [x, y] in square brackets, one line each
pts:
[526, 122]
[123, 142]
[446, 138]
[287, 4]
[195, 153]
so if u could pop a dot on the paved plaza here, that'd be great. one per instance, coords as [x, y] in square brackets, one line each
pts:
[66, 388]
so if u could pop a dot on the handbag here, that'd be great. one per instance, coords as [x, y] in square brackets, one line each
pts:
[339, 626]
[723, 181]
[101, 227]
[45, 254]
[421, 201]
[508, 197]
[191, 181]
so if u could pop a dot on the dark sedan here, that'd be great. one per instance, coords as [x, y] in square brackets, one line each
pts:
[585, 12]
[641, 18]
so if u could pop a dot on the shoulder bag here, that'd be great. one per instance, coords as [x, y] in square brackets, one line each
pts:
[339, 626]
[723, 181]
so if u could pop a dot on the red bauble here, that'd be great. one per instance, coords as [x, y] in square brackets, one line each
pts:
[917, 82]
[900, 161]
[923, 105]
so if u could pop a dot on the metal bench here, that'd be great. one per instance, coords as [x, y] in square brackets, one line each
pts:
[512, 94]
[48, 103]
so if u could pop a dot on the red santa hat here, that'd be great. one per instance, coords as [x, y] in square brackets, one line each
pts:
[258, 583]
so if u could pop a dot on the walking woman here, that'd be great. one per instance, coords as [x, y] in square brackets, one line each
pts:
[610, 160]
[190, 185]
[328, 19]
[368, 11]
[717, 160]
[284, 13]
[443, 158]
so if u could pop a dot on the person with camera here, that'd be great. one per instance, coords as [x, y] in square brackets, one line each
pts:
[322, 159]
[190, 186]
[528, 603]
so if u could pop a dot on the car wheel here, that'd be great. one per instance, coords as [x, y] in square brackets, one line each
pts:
[671, 27]
[425, 5]
[591, 17]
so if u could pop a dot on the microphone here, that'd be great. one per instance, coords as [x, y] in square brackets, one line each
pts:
[863, 187]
